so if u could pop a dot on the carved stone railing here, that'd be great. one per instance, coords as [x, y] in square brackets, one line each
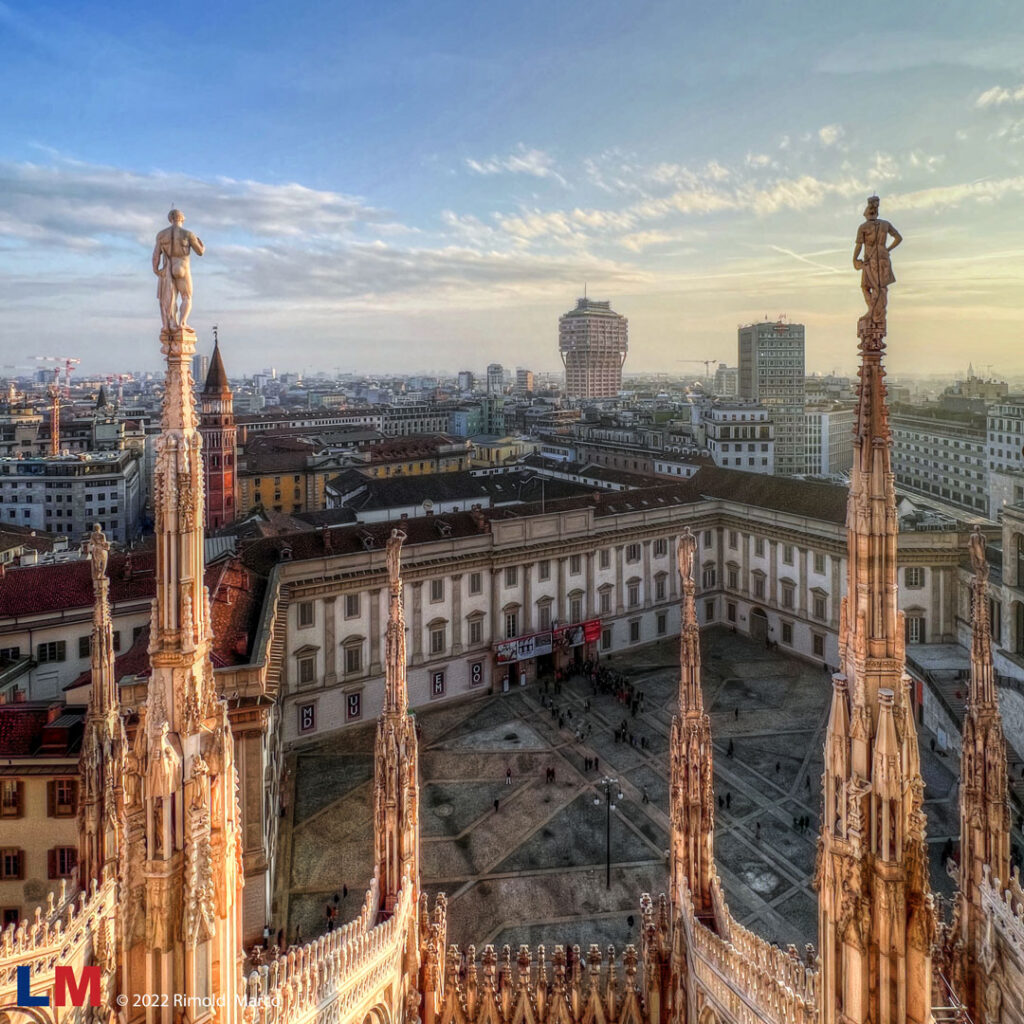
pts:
[751, 979]
[570, 987]
[75, 929]
[337, 977]
[1004, 909]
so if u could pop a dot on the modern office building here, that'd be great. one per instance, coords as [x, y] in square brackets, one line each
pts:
[771, 371]
[1004, 452]
[829, 438]
[66, 494]
[495, 378]
[524, 379]
[727, 381]
[740, 435]
[466, 380]
[941, 454]
[593, 340]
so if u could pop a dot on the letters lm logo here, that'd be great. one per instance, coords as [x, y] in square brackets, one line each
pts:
[65, 985]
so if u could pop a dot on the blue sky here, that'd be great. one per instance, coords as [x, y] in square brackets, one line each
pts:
[427, 186]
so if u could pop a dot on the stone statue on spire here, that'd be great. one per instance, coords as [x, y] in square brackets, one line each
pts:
[99, 548]
[172, 266]
[874, 264]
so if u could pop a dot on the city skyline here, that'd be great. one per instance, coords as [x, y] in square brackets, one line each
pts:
[383, 188]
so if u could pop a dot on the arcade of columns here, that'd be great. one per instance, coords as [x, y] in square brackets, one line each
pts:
[160, 820]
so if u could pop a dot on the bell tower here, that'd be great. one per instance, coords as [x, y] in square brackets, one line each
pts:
[217, 427]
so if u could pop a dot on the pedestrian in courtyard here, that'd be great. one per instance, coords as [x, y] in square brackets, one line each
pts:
[728, 800]
[729, 749]
[778, 767]
[736, 713]
[757, 831]
[646, 798]
[508, 776]
[495, 806]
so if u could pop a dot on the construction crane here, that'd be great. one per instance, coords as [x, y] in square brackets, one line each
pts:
[70, 362]
[55, 412]
[705, 362]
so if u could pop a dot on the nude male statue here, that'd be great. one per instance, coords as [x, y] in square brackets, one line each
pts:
[876, 267]
[174, 246]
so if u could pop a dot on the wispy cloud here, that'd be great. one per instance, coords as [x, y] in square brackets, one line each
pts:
[533, 162]
[830, 134]
[998, 96]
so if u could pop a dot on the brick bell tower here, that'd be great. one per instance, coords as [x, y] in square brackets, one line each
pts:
[217, 427]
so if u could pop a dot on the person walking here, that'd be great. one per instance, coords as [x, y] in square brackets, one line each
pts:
[508, 776]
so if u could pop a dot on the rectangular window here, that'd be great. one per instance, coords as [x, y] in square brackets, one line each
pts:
[575, 565]
[787, 633]
[632, 552]
[84, 646]
[787, 595]
[730, 611]
[660, 547]
[10, 653]
[476, 583]
[65, 792]
[634, 631]
[12, 864]
[662, 623]
[709, 577]
[511, 625]
[351, 606]
[55, 650]
[733, 579]
[307, 670]
[915, 629]
[436, 591]
[787, 554]
[511, 575]
[604, 558]
[544, 570]
[708, 538]
[659, 588]
[818, 645]
[476, 631]
[759, 547]
[606, 639]
[544, 616]
[10, 798]
[913, 576]
[633, 594]
[576, 609]
[709, 611]
[819, 563]
[605, 602]
[437, 640]
[734, 539]
[305, 614]
[354, 658]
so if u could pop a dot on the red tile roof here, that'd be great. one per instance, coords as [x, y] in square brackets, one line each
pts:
[38, 728]
[36, 589]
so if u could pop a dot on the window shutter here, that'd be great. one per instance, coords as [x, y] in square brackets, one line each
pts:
[74, 797]
[21, 800]
[51, 863]
[21, 865]
[51, 800]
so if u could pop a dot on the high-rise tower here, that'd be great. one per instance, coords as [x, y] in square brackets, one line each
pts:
[875, 911]
[217, 427]
[593, 340]
[771, 371]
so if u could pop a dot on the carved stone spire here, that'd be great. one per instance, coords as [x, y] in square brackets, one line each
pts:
[691, 797]
[104, 745]
[984, 806]
[396, 782]
[876, 918]
[184, 873]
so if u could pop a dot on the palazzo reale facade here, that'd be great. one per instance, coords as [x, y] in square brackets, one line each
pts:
[160, 831]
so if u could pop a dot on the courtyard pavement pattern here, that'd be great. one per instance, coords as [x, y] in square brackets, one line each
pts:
[534, 870]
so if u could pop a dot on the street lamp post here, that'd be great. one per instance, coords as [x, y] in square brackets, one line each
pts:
[610, 785]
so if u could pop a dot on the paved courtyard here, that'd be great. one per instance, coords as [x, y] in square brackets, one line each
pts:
[534, 870]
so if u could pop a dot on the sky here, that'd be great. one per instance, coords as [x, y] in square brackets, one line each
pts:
[424, 187]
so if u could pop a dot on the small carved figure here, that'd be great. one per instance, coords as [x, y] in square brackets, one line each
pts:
[172, 266]
[687, 551]
[393, 554]
[977, 550]
[99, 549]
[875, 266]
